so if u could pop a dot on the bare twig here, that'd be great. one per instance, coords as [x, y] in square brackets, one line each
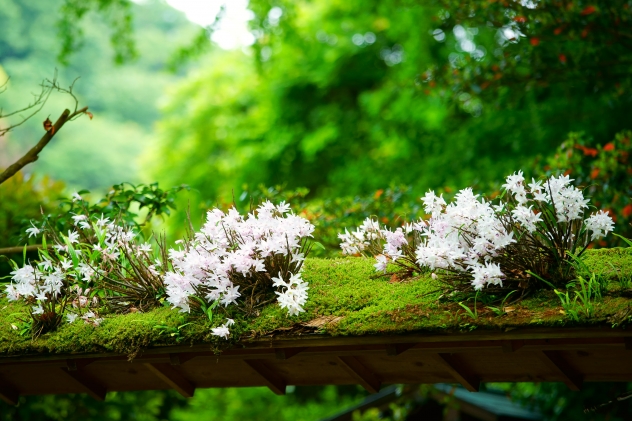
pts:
[40, 99]
[33, 154]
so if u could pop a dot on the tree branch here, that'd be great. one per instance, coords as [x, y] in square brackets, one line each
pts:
[33, 154]
[19, 249]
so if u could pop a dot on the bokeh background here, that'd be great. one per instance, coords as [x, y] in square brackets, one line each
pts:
[344, 108]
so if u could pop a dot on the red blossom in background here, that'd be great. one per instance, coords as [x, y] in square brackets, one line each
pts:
[589, 10]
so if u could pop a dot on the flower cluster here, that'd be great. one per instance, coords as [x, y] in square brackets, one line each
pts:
[235, 256]
[463, 236]
[62, 280]
[394, 246]
[475, 243]
[100, 265]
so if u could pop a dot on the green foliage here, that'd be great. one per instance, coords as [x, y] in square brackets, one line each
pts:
[472, 313]
[581, 305]
[119, 18]
[480, 51]
[301, 403]
[124, 202]
[603, 170]
[127, 406]
[342, 118]
[131, 205]
[557, 403]
[24, 199]
[502, 310]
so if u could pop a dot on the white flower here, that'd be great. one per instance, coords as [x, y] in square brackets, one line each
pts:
[33, 232]
[526, 217]
[283, 207]
[145, 248]
[73, 237]
[486, 274]
[432, 203]
[71, 317]
[382, 262]
[79, 218]
[101, 222]
[514, 182]
[65, 264]
[221, 331]
[75, 197]
[600, 224]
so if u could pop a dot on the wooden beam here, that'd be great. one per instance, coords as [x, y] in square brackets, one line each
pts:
[460, 373]
[8, 393]
[272, 379]
[173, 378]
[93, 387]
[365, 377]
[628, 342]
[74, 364]
[556, 363]
[393, 350]
[512, 346]
[287, 353]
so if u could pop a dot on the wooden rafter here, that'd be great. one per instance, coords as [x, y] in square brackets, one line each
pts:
[287, 353]
[273, 380]
[8, 393]
[459, 371]
[512, 346]
[393, 350]
[175, 379]
[365, 377]
[92, 386]
[556, 363]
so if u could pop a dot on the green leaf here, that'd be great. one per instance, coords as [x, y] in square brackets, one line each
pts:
[541, 278]
[627, 240]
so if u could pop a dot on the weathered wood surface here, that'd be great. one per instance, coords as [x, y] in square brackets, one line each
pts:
[571, 356]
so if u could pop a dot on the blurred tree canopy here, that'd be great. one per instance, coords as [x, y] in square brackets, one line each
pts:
[347, 97]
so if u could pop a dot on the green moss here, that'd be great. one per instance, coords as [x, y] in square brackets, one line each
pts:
[614, 263]
[346, 298]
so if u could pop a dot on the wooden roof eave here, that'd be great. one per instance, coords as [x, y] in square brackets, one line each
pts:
[569, 355]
